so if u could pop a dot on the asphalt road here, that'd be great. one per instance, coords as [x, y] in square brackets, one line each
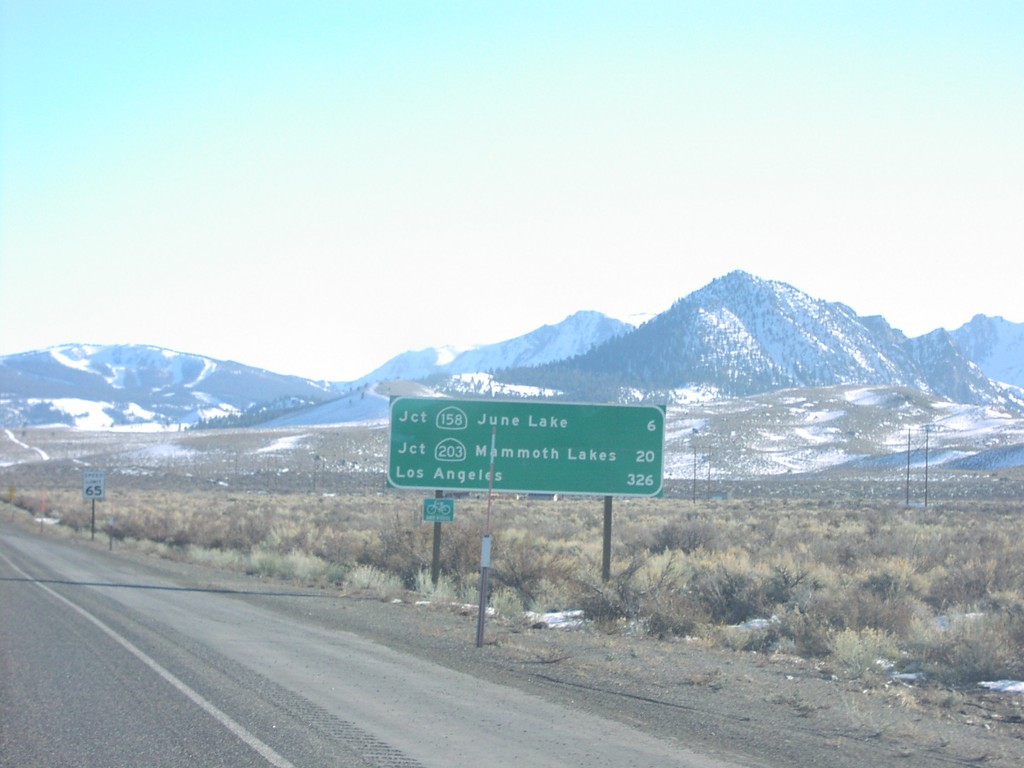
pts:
[106, 665]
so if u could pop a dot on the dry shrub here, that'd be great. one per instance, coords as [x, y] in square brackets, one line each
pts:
[444, 592]
[674, 613]
[558, 595]
[528, 564]
[969, 647]
[506, 602]
[685, 536]
[895, 580]
[404, 548]
[460, 552]
[374, 582]
[822, 566]
[608, 602]
[853, 607]
[343, 547]
[731, 587]
[649, 592]
[977, 579]
[809, 636]
[858, 652]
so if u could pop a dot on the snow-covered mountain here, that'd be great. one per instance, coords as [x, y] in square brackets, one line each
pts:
[996, 345]
[103, 386]
[739, 336]
[573, 336]
[743, 335]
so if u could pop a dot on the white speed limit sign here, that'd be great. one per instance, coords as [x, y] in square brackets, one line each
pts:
[93, 485]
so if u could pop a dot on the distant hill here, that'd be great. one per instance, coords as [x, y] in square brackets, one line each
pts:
[575, 335]
[97, 386]
[738, 336]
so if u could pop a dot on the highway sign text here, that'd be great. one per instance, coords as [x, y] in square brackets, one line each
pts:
[544, 447]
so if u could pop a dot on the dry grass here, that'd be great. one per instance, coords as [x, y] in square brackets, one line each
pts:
[838, 570]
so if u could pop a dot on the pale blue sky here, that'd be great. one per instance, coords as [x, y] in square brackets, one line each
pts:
[314, 187]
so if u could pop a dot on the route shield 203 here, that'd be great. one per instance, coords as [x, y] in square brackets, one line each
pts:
[539, 447]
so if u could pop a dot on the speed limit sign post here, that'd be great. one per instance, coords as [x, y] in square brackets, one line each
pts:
[93, 489]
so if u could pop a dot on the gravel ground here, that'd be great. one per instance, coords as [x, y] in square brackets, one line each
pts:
[756, 709]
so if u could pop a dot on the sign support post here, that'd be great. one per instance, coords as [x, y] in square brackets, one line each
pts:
[437, 510]
[485, 548]
[435, 562]
[93, 489]
[441, 444]
[606, 555]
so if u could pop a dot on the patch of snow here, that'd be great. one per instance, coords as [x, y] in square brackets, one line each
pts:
[209, 366]
[557, 619]
[822, 417]
[869, 396]
[1004, 686]
[42, 454]
[88, 414]
[756, 624]
[908, 677]
[367, 407]
[448, 353]
[169, 451]
[692, 395]
[60, 354]
[944, 623]
[809, 460]
[484, 383]
[813, 436]
[282, 444]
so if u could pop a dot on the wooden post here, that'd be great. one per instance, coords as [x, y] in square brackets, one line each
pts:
[694, 473]
[606, 556]
[927, 429]
[908, 466]
[435, 563]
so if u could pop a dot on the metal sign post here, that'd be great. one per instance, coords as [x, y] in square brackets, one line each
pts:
[485, 548]
[546, 447]
[93, 489]
[437, 510]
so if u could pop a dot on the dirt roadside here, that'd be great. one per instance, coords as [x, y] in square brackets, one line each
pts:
[753, 708]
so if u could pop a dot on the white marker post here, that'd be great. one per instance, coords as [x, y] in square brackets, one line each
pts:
[485, 548]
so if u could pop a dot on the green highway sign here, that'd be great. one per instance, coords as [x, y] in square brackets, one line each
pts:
[539, 447]
[438, 510]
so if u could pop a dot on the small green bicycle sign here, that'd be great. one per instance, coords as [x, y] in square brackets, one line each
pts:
[438, 510]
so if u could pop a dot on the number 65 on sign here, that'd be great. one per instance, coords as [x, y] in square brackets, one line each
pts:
[93, 486]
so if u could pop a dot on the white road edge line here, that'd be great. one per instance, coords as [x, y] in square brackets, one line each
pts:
[250, 739]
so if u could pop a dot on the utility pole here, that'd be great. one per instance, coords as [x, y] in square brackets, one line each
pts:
[709, 475]
[693, 442]
[908, 466]
[927, 431]
[694, 473]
